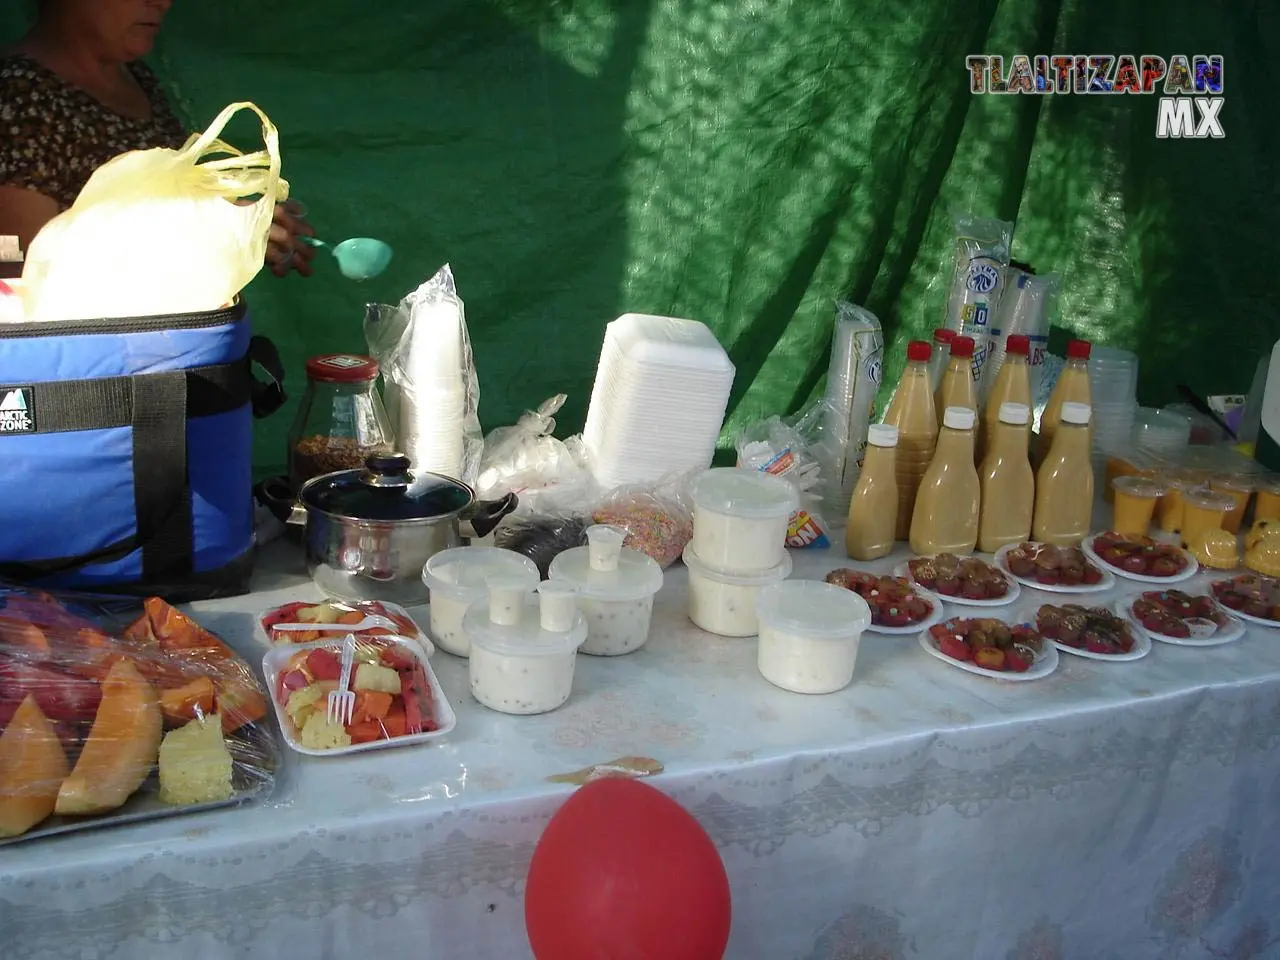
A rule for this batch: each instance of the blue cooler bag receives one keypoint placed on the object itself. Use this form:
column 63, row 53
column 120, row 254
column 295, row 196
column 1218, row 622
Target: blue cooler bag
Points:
column 126, row 452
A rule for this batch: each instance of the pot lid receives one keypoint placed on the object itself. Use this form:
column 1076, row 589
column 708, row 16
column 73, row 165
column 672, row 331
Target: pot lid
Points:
column 386, row 490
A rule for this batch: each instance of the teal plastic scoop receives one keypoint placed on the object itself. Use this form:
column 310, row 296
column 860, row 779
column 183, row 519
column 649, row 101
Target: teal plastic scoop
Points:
column 360, row 258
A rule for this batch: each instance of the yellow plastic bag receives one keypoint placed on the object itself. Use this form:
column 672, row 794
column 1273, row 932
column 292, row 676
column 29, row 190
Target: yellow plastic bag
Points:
column 158, row 232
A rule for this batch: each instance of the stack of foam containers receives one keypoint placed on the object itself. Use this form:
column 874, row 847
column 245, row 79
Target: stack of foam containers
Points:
column 661, row 391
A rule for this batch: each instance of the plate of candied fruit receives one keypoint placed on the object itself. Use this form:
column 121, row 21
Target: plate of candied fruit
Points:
column 1189, row 620
column 962, row 580
column 1251, row 597
column 1095, row 633
column 1140, row 558
column 898, row 606
column 991, row 648
column 1053, row 569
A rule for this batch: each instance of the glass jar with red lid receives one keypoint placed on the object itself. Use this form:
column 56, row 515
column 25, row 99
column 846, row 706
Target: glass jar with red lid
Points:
column 341, row 420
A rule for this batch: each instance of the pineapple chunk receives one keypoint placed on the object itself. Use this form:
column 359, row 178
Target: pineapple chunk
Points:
column 320, row 613
column 373, row 676
column 303, row 702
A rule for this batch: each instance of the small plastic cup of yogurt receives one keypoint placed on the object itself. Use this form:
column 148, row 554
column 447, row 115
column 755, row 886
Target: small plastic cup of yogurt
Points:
column 459, row 577
column 617, row 604
column 557, row 605
column 604, row 546
column 522, row 669
column 809, row 635
column 725, row 603
column 740, row 519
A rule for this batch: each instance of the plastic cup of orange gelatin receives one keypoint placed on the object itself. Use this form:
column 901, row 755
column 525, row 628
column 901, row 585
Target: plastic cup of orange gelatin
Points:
column 1135, row 503
column 1266, row 505
column 1239, row 489
column 1203, row 510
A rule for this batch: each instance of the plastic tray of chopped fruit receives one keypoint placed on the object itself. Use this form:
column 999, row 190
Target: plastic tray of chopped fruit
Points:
column 1251, row 597
column 898, row 606
column 1053, row 569
column 1140, row 558
column 991, row 648
column 1095, row 633
column 307, row 621
column 967, row 581
column 1183, row 619
column 398, row 698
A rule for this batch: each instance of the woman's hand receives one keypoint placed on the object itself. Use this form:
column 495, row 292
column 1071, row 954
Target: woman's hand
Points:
column 285, row 251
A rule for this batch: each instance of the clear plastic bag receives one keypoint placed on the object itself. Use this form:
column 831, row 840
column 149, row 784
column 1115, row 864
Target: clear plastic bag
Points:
column 792, row 450
column 94, row 696
column 432, row 393
column 658, row 520
column 152, row 233
column 978, row 281
column 525, row 458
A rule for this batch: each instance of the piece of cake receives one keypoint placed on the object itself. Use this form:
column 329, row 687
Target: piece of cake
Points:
column 195, row 765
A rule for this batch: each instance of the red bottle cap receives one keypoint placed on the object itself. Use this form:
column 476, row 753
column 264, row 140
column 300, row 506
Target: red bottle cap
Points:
column 1079, row 350
column 341, row 368
column 1017, row 343
column 962, row 347
column 943, row 335
column 918, row 351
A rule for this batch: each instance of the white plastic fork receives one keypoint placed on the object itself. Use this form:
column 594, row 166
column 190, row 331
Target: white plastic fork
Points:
column 368, row 623
column 341, row 705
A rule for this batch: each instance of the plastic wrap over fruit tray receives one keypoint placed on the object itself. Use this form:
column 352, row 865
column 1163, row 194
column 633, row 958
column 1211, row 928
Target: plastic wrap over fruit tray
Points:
column 113, row 714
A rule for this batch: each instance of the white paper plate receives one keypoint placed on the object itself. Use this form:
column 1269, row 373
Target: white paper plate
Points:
column 1045, row 664
column 1229, row 634
column 1192, row 568
column 904, row 570
column 1108, row 579
column 934, row 617
column 277, row 658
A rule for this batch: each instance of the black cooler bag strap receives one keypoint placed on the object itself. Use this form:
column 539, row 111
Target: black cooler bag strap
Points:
column 156, row 406
column 270, row 396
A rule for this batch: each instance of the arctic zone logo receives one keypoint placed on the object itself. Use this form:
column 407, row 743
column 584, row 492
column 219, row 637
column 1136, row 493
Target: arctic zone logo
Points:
column 1199, row 77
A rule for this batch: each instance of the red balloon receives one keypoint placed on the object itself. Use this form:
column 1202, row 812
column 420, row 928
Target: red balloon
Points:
column 623, row 872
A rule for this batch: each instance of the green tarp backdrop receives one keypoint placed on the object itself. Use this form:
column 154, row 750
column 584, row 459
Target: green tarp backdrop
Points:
column 744, row 163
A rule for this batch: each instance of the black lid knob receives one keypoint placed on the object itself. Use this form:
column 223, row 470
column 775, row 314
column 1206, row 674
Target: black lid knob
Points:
column 387, row 470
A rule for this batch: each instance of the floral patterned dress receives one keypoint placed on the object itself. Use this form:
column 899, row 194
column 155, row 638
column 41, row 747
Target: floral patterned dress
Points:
column 53, row 135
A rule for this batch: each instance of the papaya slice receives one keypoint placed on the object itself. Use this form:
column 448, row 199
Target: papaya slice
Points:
column 122, row 746
column 179, row 704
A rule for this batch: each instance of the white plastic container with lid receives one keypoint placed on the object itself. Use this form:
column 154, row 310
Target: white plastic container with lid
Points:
column 524, row 667
column 458, row 578
column 725, row 603
column 809, row 635
column 740, row 519
column 616, row 587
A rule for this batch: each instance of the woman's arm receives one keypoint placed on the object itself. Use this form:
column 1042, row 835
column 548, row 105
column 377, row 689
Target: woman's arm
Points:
column 23, row 212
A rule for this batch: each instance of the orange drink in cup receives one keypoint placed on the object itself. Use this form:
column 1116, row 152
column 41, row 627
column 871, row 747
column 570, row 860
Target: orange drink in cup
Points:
column 1169, row 509
column 1266, row 506
column 1135, row 503
column 1239, row 489
column 1203, row 510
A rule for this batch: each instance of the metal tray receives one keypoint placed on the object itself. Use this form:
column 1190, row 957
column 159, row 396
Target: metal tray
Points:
column 255, row 755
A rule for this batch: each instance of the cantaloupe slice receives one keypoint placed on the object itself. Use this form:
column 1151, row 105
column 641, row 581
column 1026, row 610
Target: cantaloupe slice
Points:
column 32, row 768
column 122, row 747
column 178, row 704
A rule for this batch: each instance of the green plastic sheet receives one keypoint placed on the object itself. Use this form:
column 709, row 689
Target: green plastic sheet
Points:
column 744, row 163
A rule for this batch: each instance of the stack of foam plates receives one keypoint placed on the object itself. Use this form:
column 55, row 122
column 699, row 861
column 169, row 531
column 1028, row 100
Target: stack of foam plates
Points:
column 659, row 400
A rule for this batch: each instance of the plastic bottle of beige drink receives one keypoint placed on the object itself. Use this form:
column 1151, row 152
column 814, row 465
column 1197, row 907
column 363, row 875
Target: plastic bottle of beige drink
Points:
column 957, row 388
column 1072, row 387
column 873, row 511
column 1012, row 385
column 946, row 514
column 942, row 338
column 1064, row 482
column 911, row 411
column 1008, row 483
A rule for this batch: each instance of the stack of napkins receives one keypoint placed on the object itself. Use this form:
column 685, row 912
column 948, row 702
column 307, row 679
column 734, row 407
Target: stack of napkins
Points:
column 659, row 400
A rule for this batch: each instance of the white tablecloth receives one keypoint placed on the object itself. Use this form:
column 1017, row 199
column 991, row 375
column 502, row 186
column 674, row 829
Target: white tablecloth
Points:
column 1124, row 811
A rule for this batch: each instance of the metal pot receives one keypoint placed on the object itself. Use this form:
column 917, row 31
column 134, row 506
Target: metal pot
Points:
column 369, row 532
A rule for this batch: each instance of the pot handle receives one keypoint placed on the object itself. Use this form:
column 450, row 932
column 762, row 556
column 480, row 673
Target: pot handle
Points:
column 275, row 494
column 483, row 516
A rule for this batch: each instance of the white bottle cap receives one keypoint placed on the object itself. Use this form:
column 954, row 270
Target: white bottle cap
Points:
column 1018, row 414
column 1077, row 413
column 958, row 418
column 882, row 435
